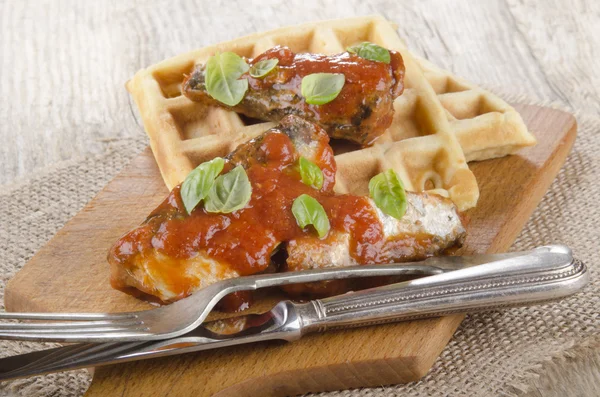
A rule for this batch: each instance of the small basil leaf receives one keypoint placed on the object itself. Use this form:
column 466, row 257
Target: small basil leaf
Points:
column 310, row 173
column 387, row 191
column 262, row 68
column 222, row 78
column 230, row 192
column 322, row 88
column 370, row 51
column 198, row 183
column 308, row 211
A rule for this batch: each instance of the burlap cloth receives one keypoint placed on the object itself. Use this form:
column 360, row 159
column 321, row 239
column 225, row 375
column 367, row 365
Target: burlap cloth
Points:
column 553, row 349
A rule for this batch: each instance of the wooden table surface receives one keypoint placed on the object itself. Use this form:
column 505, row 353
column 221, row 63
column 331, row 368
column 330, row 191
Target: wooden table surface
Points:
column 63, row 66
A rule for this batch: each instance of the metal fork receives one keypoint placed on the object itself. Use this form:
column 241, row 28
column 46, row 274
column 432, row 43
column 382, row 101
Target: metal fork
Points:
column 185, row 315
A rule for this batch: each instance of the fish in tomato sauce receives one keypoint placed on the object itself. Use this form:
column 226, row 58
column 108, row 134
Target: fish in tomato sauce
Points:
column 172, row 253
column 430, row 226
column 362, row 111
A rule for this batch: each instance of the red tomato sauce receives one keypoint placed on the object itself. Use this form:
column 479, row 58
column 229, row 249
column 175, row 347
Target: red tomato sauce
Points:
column 245, row 239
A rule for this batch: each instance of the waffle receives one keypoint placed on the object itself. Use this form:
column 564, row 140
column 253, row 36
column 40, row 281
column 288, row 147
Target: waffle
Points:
column 485, row 125
column 422, row 144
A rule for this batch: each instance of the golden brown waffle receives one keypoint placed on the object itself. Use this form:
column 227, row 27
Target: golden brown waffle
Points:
column 422, row 144
column 485, row 125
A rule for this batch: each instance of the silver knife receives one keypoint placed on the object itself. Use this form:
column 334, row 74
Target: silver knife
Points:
column 545, row 274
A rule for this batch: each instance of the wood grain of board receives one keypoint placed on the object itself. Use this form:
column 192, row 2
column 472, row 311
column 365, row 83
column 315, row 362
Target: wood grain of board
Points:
column 71, row 274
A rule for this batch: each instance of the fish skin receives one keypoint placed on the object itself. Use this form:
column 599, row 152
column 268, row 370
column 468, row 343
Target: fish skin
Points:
column 428, row 214
column 305, row 135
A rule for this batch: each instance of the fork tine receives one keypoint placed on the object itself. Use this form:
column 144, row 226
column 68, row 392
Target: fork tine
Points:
column 72, row 330
column 66, row 316
column 68, row 325
column 89, row 335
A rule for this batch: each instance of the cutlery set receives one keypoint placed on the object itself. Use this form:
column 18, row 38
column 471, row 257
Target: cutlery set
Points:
column 444, row 285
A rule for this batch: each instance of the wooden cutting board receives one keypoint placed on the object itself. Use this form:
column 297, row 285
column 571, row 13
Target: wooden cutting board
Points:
column 71, row 274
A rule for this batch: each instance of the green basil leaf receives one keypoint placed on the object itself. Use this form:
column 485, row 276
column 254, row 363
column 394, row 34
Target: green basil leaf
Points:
column 198, row 183
column 262, row 68
column 223, row 72
column 308, row 211
column 387, row 191
column 370, row 51
column 310, row 173
column 322, row 88
column 230, row 192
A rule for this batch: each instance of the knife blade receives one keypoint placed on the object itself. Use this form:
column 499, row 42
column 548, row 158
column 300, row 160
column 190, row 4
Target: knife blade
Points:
column 278, row 323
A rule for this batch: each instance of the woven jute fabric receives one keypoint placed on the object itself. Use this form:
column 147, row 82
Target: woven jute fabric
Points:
column 547, row 350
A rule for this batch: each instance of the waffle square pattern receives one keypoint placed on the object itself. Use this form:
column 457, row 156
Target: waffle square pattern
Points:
column 440, row 121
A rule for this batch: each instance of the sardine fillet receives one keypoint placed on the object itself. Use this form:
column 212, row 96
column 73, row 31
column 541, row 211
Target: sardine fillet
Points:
column 430, row 226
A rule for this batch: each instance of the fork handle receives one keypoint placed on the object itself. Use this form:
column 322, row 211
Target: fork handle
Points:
column 543, row 274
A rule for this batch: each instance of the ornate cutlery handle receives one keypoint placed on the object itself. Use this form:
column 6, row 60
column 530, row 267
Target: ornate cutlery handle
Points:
column 544, row 274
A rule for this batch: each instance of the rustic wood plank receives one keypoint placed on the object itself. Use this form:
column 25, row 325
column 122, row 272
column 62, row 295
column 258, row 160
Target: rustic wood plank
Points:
column 63, row 64
column 483, row 48
column 563, row 39
column 510, row 187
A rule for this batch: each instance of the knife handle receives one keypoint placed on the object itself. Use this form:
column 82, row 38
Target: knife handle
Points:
column 544, row 274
